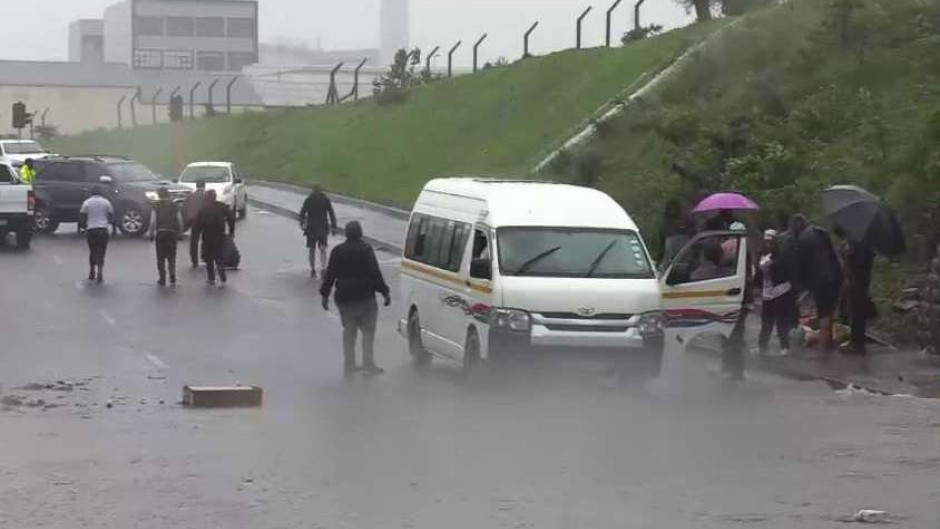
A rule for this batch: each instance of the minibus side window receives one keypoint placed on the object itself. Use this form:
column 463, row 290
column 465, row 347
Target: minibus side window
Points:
column 481, row 250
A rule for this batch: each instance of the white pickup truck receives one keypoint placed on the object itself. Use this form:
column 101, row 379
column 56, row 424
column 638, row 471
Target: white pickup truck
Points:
column 16, row 208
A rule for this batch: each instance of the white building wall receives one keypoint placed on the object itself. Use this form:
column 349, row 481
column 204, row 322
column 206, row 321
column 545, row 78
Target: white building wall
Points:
column 117, row 33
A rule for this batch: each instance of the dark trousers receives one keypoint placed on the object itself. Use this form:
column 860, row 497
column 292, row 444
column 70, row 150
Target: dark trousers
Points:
column 776, row 313
column 97, row 239
column 859, row 314
column 358, row 316
column 212, row 252
column 732, row 357
column 166, row 254
column 194, row 236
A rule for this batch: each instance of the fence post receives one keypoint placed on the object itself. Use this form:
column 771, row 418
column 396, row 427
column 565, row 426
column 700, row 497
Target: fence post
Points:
column 332, row 96
column 153, row 104
column 42, row 117
column 450, row 59
column 192, row 96
column 636, row 14
column 210, row 109
column 427, row 60
column 119, row 116
column 476, row 47
column 525, row 40
column 134, row 110
column 228, row 95
column 609, row 13
column 580, row 19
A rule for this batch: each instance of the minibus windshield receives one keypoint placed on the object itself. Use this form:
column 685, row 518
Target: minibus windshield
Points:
column 572, row 252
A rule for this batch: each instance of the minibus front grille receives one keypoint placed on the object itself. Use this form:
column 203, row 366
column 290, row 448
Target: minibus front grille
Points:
column 576, row 316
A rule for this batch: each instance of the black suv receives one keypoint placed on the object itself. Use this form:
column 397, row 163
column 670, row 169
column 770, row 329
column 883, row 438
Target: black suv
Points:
column 61, row 185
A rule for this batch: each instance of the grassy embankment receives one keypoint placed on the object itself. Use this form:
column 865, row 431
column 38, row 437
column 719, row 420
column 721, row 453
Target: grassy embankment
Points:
column 497, row 122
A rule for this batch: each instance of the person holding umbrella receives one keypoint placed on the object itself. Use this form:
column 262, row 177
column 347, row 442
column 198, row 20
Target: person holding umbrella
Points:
column 868, row 226
column 732, row 358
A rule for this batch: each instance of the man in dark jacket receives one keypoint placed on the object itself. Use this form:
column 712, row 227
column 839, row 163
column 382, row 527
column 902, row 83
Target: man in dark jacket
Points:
column 316, row 219
column 819, row 273
column 194, row 203
column 211, row 222
column 355, row 271
column 858, row 259
column 166, row 227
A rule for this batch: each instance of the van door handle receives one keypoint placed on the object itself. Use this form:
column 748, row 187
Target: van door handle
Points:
column 733, row 292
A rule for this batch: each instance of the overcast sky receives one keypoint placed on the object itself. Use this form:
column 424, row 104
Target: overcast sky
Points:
column 38, row 29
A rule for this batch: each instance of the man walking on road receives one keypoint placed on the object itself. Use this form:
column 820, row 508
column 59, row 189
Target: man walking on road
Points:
column 194, row 203
column 97, row 214
column 211, row 222
column 166, row 226
column 355, row 271
column 316, row 219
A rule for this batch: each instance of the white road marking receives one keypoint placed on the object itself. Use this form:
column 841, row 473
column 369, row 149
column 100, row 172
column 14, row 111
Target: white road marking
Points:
column 107, row 318
column 57, row 260
column 155, row 360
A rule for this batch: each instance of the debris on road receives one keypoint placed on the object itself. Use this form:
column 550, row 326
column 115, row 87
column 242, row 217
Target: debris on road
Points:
column 222, row 396
column 870, row 516
column 11, row 400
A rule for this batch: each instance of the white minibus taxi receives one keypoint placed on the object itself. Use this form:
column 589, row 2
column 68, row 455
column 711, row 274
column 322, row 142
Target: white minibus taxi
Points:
column 499, row 269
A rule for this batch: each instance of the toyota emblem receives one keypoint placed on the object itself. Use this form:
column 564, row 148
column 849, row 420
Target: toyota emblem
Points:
column 587, row 311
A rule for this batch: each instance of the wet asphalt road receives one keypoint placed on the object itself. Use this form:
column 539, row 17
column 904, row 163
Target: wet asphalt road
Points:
column 553, row 448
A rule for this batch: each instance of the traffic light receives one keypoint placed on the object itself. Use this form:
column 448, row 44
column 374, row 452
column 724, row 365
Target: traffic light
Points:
column 19, row 115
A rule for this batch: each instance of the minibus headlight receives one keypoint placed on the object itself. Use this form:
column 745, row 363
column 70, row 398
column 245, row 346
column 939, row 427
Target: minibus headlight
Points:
column 510, row 319
column 651, row 323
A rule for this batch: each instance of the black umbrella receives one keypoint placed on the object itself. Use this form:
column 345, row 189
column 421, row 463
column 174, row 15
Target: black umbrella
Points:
column 864, row 218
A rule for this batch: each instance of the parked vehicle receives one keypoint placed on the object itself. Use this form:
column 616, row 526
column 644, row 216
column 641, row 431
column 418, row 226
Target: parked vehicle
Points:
column 223, row 177
column 15, row 152
column 63, row 183
column 16, row 207
column 495, row 270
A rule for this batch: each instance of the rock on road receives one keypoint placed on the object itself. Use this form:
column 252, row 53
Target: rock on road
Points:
column 546, row 448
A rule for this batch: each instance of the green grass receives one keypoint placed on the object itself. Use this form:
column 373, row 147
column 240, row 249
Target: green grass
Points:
column 497, row 122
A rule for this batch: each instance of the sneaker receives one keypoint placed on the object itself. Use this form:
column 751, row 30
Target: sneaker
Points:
column 210, row 282
column 195, row 265
column 371, row 370
column 784, row 352
column 173, row 281
column 100, row 278
column 161, row 282
column 91, row 276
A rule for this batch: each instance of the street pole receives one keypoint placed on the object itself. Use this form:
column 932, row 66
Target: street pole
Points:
column 525, row 40
column 636, row 15
column 609, row 12
column 332, row 96
column 427, row 60
column 192, row 96
column 476, row 47
column 153, row 104
column 580, row 19
column 450, row 59
column 356, row 79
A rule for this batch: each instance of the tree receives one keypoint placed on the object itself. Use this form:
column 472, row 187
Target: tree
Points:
column 703, row 8
column 393, row 87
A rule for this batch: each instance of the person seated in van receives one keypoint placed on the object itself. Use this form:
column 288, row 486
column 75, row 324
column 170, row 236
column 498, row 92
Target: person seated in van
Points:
column 710, row 266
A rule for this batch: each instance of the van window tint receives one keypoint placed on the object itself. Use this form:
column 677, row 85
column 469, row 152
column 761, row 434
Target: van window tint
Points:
column 436, row 242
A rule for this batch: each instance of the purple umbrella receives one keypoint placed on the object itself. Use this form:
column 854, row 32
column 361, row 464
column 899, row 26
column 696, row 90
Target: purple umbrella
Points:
column 720, row 201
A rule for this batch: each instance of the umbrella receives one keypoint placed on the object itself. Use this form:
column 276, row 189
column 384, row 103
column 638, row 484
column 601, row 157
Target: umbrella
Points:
column 864, row 218
column 729, row 201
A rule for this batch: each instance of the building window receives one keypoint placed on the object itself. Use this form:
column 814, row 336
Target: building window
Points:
column 149, row 26
column 237, row 61
column 180, row 27
column 240, row 27
column 178, row 59
column 210, row 27
column 148, row 59
column 210, row 61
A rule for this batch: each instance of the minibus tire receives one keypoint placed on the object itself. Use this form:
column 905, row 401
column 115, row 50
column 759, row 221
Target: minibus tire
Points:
column 419, row 354
column 471, row 352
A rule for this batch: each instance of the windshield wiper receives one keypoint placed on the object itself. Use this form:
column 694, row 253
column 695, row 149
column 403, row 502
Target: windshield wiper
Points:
column 528, row 264
column 600, row 257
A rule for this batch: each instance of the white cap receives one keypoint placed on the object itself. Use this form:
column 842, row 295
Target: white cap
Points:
column 770, row 235
column 738, row 226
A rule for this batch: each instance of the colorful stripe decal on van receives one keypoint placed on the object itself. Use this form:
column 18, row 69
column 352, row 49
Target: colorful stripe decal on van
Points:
column 442, row 277
column 687, row 318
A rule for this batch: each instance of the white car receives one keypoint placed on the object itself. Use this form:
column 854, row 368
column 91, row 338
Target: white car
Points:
column 15, row 152
column 223, row 178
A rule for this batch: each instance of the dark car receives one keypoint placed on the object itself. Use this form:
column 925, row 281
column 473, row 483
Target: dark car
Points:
column 61, row 185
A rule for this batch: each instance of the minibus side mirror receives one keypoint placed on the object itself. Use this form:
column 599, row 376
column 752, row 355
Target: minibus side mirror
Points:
column 481, row 268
